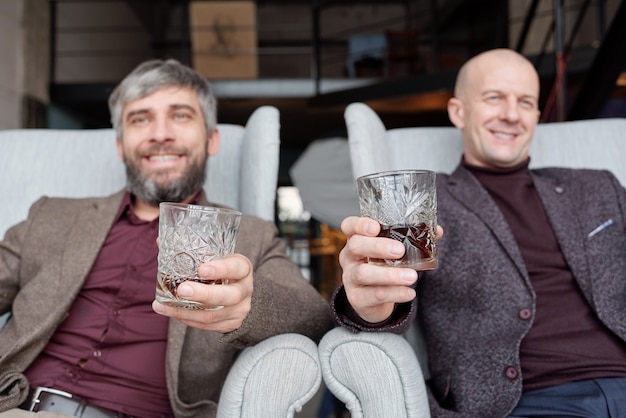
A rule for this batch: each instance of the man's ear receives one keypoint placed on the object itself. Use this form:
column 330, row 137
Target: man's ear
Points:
column 455, row 112
column 213, row 145
column 120, row 150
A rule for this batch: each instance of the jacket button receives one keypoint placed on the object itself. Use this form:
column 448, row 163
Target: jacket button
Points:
column 525, row 314
column 511, row 372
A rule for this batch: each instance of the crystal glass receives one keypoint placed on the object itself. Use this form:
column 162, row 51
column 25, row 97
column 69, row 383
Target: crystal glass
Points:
column 190, row 235
column 404, row 202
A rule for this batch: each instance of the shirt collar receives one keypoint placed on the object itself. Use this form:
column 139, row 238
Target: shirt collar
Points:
column 126, row 207
column 521, row 167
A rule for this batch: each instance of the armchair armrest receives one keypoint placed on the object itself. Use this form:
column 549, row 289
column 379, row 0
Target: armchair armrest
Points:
column 272, row 379
column 376, row 374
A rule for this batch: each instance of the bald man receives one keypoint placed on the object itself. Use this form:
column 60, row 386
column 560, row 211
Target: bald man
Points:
column 522, row 318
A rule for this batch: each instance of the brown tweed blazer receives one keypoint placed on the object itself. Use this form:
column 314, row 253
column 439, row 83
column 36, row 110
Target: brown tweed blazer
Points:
column 45, row 259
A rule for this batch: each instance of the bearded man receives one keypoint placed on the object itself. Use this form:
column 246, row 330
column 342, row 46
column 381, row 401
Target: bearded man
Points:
column 91, row 341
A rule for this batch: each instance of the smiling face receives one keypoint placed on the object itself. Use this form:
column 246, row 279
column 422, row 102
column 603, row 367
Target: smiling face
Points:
column 165, row 145
column 496, row 108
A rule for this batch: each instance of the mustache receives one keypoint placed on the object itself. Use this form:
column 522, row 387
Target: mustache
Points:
column 162, row 149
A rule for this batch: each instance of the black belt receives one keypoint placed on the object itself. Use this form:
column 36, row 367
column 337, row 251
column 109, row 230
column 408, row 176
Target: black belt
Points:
column 60, row 402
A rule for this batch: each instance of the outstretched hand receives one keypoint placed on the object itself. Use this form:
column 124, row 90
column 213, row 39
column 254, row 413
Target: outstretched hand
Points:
column 235, row 297
column 373, row 290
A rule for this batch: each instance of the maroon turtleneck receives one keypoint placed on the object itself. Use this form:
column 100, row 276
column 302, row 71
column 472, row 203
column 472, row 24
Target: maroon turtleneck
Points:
column 567, row 341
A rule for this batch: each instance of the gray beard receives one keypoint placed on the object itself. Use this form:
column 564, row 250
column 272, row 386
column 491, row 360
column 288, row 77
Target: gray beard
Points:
column 146, row 189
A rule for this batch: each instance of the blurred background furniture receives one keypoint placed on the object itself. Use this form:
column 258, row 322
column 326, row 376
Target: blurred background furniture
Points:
column 367, row 55
column 596, row 144
column 326, row 248
column 323, row 177
column 403, row 55
column 391, row 53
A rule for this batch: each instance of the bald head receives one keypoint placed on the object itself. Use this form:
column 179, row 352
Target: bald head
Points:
column 483, row 64
column 495, row 105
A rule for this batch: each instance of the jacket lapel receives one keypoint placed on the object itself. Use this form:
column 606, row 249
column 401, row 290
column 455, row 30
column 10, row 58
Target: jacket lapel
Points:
column 465, row 188
column 86, row 239
column 566, row 223
column 92, row 222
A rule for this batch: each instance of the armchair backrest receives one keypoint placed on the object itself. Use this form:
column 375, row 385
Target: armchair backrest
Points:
column 82, row 163
column 596, row 143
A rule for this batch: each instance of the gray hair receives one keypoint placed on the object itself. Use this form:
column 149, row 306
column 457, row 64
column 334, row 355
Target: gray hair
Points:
column 154, row 75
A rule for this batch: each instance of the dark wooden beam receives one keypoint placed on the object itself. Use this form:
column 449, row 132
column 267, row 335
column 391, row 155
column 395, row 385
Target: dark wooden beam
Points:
column 388, row 88
column 608, row 63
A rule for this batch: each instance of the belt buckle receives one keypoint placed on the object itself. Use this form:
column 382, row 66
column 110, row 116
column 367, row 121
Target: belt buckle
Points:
column 42, row 389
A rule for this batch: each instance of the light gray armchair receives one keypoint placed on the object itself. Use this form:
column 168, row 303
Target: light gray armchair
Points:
column 357, row 367
column 274, row 378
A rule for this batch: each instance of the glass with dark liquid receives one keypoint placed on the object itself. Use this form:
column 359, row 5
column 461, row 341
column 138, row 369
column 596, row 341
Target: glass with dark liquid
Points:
column 419, row 243
column 404, row 203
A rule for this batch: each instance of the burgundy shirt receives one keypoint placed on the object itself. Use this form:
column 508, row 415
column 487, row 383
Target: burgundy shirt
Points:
column 567, row 341
column 111, row 348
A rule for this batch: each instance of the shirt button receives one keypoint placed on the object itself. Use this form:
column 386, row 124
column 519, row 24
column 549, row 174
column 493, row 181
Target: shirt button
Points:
column 511, row 372
column 116, row 312
column 97, row 353
column 525, row 314
column 558, row 189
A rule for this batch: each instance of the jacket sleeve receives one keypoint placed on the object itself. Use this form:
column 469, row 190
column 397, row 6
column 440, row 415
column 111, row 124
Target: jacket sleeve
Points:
column 10, row 259
column 283, row 301
column 343, row 315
